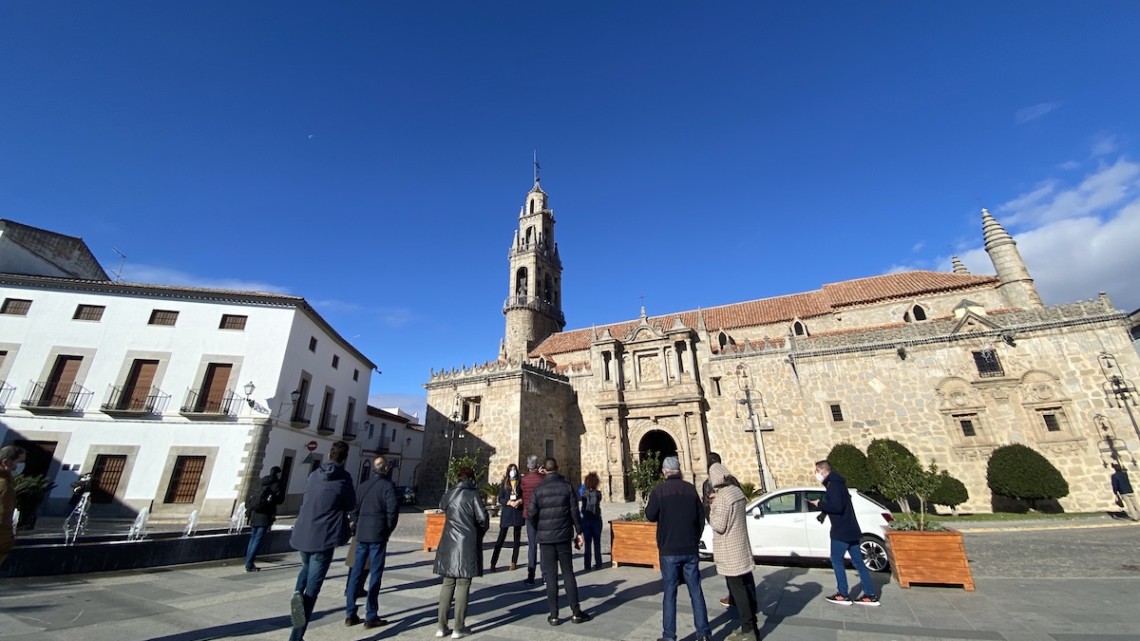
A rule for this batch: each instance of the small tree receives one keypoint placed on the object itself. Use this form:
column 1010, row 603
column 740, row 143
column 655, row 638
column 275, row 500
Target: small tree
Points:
column 951, row 492
column 895, row 470
column 851, row 463
column 466, row 459
column 1019, row 472
column 750, row 491
column 645, row 475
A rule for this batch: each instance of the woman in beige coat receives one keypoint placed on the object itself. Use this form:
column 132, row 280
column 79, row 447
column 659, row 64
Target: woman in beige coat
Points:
column 732, row 550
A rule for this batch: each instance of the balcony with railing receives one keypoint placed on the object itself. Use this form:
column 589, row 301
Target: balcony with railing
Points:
column 535, row 303
column 199, row 404
column 385, row 444
column 350, row 428
column 48, row 396
column 302, row 415
column 6, row 392
column 124, row 401
column 327, row 423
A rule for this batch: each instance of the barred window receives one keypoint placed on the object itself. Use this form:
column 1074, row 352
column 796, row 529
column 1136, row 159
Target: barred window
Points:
column 163, row 317
column 88, row 312
column 232, row 321
column 836, row 413
column 15, row 307
column 966, row 423
column 185, row 478
column 988, row 364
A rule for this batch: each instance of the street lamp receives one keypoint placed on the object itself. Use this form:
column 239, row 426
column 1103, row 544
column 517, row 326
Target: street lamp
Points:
column 455, row 429
column 249, row 389
column 1109, row 436
column 744, row 382
column 1120, row 388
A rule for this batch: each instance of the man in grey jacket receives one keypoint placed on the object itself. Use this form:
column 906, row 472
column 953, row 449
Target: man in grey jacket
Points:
column 322, row 525
column 375, row 516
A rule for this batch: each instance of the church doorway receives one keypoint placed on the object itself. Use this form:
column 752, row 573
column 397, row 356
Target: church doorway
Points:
column 656, row 441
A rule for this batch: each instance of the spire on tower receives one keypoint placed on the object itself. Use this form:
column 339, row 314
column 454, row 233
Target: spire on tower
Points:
column 992, row 232
column 959, row 267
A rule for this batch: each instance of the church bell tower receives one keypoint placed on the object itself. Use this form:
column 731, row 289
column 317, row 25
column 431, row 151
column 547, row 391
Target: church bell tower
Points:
column 534, row 301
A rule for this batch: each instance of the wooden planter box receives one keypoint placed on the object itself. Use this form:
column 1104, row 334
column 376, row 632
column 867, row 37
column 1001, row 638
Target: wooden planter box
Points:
column 634, row 543
column 929, row 557
column 433, row 530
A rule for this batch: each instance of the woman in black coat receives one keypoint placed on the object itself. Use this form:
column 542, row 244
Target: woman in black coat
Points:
column 459, row 557
column 510, row 517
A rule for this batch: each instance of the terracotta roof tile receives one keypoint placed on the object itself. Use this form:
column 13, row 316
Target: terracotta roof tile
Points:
column 765, row 311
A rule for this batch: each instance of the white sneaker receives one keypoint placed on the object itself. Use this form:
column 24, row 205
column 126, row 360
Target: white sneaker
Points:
column 440, row 633
column 458, row 634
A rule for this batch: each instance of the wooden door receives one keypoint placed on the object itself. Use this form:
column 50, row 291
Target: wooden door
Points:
column 185, row 478
column 137, row 390
column 214, row 387
column 59, row 383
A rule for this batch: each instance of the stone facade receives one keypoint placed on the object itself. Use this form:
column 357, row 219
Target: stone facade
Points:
column 952, row 365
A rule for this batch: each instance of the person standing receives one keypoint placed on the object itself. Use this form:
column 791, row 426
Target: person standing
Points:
column 845, row 535
column 706, row 491
column 322, row 525
column 530, row 480
column 11, row 466
column 459, row 557
column 591, row 506
column 1122, row 488
column 675, row 507
column 262, row 513
column 553, row 510
column 510, row 516
column 376, row 514
column 733, row 549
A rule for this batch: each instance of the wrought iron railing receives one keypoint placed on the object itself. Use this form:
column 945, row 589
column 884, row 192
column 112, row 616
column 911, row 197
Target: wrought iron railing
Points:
column 302, row 414
column 198, row 403
column 6, row 392
column 47, row 395
column 350, row 428
column 125, row 400
column 327, row 423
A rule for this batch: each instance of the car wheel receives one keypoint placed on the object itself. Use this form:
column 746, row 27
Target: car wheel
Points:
column 874, row 554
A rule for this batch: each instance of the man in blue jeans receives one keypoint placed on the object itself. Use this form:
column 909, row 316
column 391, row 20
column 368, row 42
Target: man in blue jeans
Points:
column 845, row 535
column 675, row 507
column 376, row 514
column 321, row 526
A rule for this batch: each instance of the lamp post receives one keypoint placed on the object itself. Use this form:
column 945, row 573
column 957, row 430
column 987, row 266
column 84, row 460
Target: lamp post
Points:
column 249, row 389
column 455, row 429
column 1120, row 388
column 744, row 382
column 1109, row 437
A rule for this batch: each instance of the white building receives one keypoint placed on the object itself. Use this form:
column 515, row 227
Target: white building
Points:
column 177, row 398
column 400, row 437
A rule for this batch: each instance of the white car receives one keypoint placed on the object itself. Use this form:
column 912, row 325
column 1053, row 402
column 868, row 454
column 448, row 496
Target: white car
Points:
column 783, row 524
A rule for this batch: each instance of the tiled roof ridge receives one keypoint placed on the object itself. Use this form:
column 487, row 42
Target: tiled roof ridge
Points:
column 774, row 309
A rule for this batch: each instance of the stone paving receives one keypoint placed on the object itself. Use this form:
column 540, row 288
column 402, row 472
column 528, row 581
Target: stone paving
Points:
column 1030, row 586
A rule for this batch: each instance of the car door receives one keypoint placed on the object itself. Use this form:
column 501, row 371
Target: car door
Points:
column 776, row 526
column 818, row 534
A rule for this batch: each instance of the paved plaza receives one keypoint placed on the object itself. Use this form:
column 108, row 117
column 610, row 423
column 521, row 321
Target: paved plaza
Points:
column 1071, row 582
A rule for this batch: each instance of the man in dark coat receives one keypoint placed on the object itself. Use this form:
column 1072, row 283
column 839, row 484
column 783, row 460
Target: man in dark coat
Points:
column 1122, row 488
column 845, row 535
column 376, row 514
column 322, row 525
column 263, row 504
column 676, row 509
column 459, row 557
column 553, row 511
column 529, row 481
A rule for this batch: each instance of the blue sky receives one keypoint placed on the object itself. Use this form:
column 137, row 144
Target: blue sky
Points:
column 372, row 156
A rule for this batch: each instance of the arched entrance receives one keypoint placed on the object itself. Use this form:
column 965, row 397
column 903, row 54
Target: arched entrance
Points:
column 657, row 441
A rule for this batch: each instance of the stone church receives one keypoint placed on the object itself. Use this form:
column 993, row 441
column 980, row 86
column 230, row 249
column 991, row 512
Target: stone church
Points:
column 952, row 365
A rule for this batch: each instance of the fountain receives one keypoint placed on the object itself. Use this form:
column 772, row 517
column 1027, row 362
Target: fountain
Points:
column 138, row 529
column 237, row 521
column 191, row 524
column 76, row 522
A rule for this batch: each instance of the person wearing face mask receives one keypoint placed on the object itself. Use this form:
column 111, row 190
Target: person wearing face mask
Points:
column 510, row 516
column 11, row 466
column 845, row 535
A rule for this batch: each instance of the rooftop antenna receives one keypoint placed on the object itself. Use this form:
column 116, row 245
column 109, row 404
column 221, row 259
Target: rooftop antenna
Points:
column 122, row 261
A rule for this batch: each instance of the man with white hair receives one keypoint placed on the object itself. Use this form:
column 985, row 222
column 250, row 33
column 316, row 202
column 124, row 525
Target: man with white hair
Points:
column 675, row 507
column 529, row 481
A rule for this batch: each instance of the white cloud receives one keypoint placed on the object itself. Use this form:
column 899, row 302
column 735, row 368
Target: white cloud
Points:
column 137, row 273
column 1028, row 114
column 1069, row 165
column 917, row 247
column 1104, row 144
column 1107, row 187
column 396, row 316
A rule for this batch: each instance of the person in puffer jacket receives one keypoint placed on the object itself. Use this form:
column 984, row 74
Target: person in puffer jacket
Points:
column 733, row 549
column 459, row 557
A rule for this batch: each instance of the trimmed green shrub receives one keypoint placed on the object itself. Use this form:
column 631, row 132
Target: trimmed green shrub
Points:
column 951, row 492
column 851, row 464
column 1019, row 472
